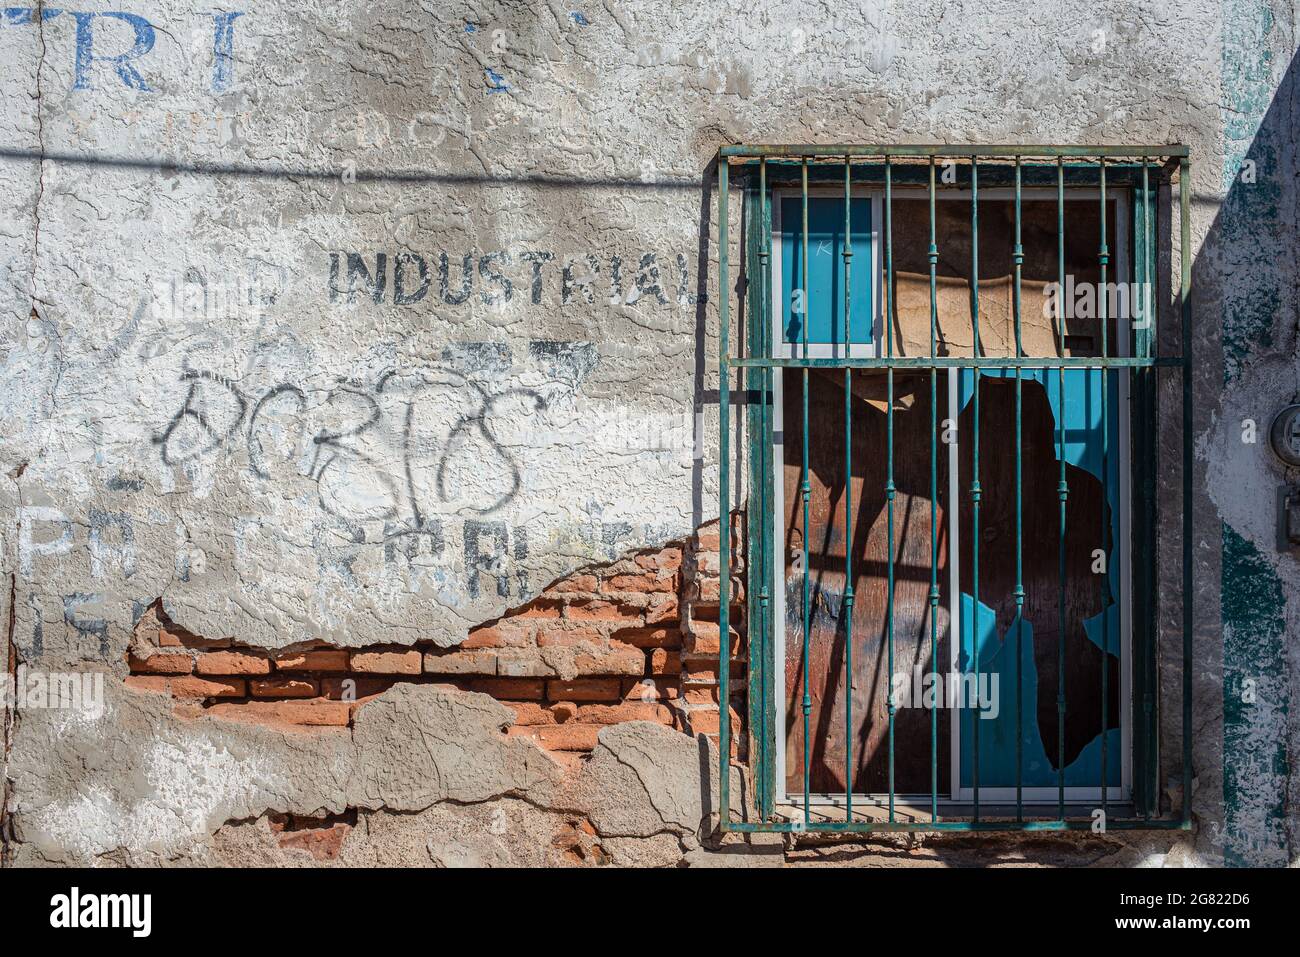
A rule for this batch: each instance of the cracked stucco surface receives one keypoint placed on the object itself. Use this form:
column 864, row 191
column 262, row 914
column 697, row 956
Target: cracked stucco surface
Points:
column 351, row 128
column 164, row 786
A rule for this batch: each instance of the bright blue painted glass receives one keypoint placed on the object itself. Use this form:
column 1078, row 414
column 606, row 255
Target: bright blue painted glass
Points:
column 825, row 305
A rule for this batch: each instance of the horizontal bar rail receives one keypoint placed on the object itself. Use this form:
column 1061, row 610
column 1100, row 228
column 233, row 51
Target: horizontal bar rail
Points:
column 879, row 827
column 957, row 362
column 954, row 150
column 1097, row 168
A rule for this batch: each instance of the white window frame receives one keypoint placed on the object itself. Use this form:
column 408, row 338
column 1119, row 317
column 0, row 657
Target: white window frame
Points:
column 827, row 350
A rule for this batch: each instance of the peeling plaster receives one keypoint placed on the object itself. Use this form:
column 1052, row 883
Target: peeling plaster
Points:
column 166, row 257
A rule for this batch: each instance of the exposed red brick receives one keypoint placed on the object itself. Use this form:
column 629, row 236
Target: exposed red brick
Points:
column 642, row 583
column 481, row 662
column 649, row 637
column 701, row 694
column 578, row 583
column 616, row 613
column 709, row 564
column 707, row 538
column 576, row 842
column 460, row 663
column 335, row 688
column 665, row 662
column 312, row 712
column 564, row 711
column 531, row 713
column 560, row 737
column 232, row 663
column 708, row 721
column 710, row 589
column 174, row 636
column 524, row 663
column 541, row 608
column 283, row 688
column 508, row 633
column 627, row 647
column 626, row 711
column 156, row 684
column 662, row 609
column 705, row 670
column 615, row 660
column 667, row 560
column 506, row 689
column 324, row 844
column 406, row 661
column 585, row 689
column 190, row 686
column 650, row 689
column 166, row 663
column 568, row 633
column 704, row 638
column 321, row 659
column 710, row 612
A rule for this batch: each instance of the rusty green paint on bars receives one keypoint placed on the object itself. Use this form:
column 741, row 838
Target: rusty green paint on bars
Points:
column 760, row 365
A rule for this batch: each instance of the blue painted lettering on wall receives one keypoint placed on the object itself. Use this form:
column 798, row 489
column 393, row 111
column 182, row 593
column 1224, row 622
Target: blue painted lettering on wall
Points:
column 122, row 66
column 125, row 63
column 223, row 50
column 28, row 14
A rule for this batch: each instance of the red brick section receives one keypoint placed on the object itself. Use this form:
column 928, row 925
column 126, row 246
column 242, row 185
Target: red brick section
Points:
column 701, row 646
column 637, row 640
column 322, row 837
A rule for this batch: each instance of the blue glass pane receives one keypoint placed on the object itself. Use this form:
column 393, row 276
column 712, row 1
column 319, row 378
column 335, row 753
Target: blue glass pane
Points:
column 1081, row 420
column 825, row 288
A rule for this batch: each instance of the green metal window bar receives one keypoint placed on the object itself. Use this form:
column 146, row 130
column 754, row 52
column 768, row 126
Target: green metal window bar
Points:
column 1147, row 172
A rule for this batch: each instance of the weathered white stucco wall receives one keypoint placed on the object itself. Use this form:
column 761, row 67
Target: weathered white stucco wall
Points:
column 205, row 400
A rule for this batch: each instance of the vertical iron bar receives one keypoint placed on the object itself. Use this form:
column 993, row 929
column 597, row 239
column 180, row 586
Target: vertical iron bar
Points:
column 1018, row 259
column 848, row 498
column 724, row 503
column 1103, row 296
column 933, row 256
column 1144, row 345
column 1062, row 488
column 889, row 440
column 805, row 490
column 765, row 447
column 975, row 492
column 1185, row 264
column 1148, row 445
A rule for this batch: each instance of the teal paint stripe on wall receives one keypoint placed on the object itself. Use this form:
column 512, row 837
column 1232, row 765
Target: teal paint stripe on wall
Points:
column 1254, row 708
column 1255, row 689
column 1249, row 223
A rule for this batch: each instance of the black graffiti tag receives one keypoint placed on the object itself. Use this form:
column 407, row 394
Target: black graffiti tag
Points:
column 444, row 426
column 193, row 428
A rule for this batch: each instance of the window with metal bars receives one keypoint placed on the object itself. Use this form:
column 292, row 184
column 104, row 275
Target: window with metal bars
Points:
column 949, row 360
